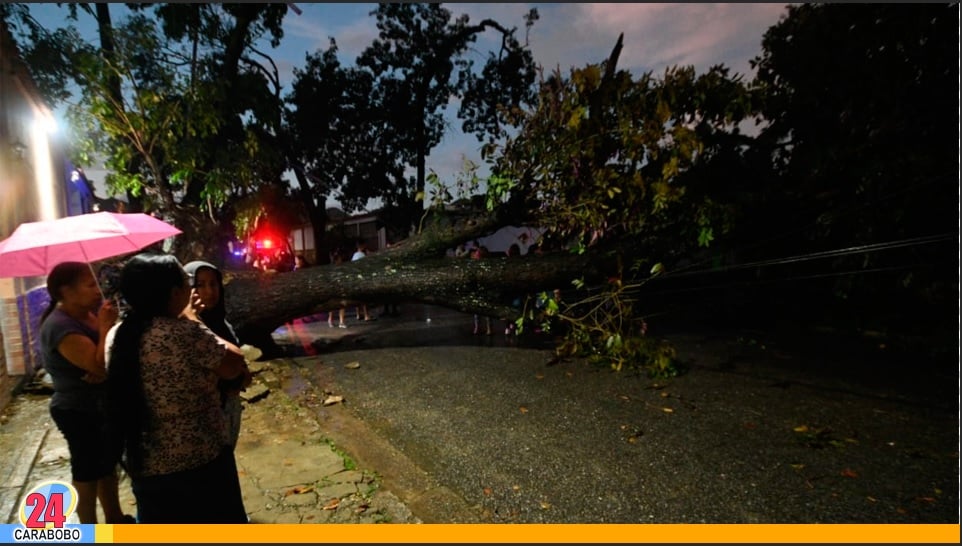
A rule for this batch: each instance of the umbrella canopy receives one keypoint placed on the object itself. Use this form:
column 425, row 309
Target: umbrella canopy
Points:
column 34, row 248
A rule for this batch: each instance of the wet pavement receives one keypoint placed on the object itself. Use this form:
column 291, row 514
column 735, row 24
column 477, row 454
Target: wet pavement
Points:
column 406, row 419
column 760, row 430
column 290, row 472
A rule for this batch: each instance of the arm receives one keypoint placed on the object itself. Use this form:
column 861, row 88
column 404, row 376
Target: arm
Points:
column 233, row 363
column 84, row 353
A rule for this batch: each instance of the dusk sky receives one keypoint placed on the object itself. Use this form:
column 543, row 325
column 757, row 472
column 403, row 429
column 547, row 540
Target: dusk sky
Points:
column 566, row 35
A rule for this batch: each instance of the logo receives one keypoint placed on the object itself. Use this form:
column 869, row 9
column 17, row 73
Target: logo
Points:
column 44, row 513
column 48, row 505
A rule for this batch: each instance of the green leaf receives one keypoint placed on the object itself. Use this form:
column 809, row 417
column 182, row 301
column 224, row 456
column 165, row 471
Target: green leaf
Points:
column 705, row 236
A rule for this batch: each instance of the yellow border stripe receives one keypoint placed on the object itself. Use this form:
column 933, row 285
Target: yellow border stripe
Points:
column 104, row 533
column 514, row 533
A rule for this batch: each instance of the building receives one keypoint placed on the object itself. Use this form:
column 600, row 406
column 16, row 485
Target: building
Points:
column 33, row 187
column 342, row 231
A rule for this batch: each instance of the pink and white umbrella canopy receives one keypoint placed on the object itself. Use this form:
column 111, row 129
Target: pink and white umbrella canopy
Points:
column 34, row 248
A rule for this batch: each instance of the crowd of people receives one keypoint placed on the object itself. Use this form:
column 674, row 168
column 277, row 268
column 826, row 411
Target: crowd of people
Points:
column 155, row 389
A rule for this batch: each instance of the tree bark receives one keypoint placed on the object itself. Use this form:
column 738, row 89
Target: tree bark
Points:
column 106, row 30
column 258, row 303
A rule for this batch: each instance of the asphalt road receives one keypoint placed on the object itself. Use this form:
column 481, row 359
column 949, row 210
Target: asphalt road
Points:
column 756, row 432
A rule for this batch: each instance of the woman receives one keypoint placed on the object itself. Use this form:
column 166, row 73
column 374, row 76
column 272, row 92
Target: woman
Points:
column 72, row 336
column 208, row 302
column 164, row 365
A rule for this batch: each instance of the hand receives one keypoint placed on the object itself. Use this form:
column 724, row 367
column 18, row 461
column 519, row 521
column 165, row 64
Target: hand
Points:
column 107, row 315
column 196, row 303
column 194, row 307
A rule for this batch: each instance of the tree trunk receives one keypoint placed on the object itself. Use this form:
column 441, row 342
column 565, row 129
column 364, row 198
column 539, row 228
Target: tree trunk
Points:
column 204, row 240
column 316, row 213
column 258, row 303
column 106, row 30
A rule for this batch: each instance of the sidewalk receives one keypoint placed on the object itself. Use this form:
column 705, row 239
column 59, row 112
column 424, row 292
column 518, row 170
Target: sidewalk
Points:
column 289, row 472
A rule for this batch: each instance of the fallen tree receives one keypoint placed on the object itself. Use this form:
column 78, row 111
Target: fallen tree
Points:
column 619, row 201
column 415, row 270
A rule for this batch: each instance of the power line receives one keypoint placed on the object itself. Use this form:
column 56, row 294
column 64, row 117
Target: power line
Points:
column 842, row 212
column 862, row 249
column 788, row 279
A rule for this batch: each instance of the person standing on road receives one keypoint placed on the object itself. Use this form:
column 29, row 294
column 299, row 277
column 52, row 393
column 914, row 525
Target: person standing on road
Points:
column 73, row 331
column 163, row 369
column 337, row 259
column 478, row 253
column 207, row 299
column 358, row 254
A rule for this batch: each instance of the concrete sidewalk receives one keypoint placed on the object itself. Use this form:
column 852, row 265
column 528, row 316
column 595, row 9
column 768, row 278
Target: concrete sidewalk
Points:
column 289, row 472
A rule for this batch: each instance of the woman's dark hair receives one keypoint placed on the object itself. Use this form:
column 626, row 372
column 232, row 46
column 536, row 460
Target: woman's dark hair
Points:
column 62, row 275
column 147, row 282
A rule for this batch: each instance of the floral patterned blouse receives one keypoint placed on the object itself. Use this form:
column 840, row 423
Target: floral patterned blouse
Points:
column 187, row 427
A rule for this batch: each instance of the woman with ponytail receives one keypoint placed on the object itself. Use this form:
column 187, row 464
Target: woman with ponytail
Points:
column 72, row 336
column 163, row 368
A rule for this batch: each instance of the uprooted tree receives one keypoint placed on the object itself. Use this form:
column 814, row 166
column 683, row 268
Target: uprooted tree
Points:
column 624, row 173
column 627, row 174
column 603, row 164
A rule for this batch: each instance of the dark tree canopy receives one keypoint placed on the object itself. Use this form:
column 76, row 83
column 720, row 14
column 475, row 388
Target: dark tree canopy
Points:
column 861, row 102
column 642, row 181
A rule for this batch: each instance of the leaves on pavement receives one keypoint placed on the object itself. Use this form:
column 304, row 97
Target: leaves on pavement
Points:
column 299, row 490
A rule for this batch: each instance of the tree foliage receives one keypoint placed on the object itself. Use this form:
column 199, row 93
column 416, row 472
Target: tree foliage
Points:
column 184, row 112
column 607, row 155
column 607, row 159
column 419, row 62
column 855, row 148
column 862, row 110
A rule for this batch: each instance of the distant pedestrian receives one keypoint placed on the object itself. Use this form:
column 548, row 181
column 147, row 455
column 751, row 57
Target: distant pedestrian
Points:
column 478, row 253
column 359, row 253
column 513, row 251
column 337, row 259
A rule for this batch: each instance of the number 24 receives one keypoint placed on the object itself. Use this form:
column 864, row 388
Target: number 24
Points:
column 45, row 511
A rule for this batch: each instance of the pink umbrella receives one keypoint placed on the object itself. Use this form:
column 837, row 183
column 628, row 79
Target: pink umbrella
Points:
column 35, row 247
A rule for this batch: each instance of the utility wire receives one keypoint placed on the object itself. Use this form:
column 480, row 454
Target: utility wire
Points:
column 849, row 211
column 787, row 279
column 862, row 249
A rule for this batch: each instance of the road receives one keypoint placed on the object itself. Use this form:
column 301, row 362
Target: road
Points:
column 477, row 428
